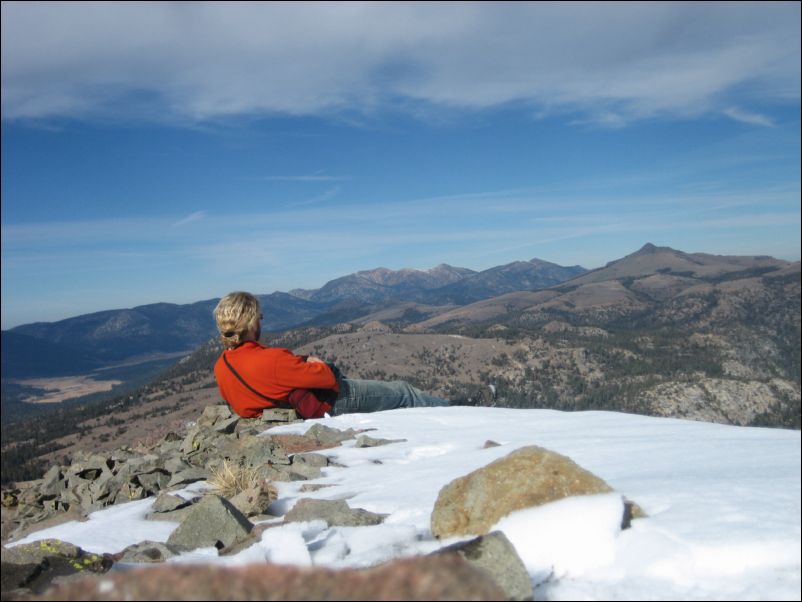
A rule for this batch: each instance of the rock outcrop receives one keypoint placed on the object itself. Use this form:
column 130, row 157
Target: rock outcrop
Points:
column 484, row 568
column 93, row 481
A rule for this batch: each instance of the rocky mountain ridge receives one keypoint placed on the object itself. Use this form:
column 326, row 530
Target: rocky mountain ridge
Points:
column 382, row 283
column 102, row 339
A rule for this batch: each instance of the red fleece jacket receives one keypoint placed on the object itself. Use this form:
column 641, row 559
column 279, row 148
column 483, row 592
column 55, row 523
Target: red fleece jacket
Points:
column 272, row 371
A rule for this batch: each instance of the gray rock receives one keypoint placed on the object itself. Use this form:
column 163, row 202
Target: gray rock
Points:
column 146, row 463
column 53, row 483
column 175, row 464
column 90, row 466
column 166, row 502
column 259, row 451
column 307, row 466
column 255, row 500
column 327, row 436
column 250, row 426
column 189, row 475
column 214, row 414
column 335, row 512
column 192, row 440
column 214, row 521
column 149, row 551
column 80, row 494
column 121, row 455
column 226, row 426
column 311, row 459
column 128, row 492
column 310, row 487
column 278, row 472
column 154, row 481
column 279, row 415
column 365, row 441
column 102, row 487
column 495, row 554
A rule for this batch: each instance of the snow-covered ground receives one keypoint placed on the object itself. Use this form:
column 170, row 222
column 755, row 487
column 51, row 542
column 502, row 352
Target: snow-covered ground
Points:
column 723, row 504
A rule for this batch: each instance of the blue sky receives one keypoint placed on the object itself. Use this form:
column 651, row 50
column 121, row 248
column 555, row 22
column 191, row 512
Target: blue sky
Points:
column 176, row 151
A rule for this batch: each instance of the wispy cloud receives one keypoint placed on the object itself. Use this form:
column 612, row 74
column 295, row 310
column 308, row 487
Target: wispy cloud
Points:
column 514, row 219
column 303, row 178
column 194, row 217
column 328, row 195
column 610, row 63
column 748, row 117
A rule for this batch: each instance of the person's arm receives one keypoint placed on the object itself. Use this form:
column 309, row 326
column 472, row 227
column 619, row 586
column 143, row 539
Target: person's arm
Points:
column 299, row 373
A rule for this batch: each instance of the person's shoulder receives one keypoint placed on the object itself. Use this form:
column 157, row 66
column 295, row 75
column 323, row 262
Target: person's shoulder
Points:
column 253, row 348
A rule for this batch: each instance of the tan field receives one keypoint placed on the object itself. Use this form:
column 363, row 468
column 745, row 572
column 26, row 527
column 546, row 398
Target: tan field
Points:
column 67, row 387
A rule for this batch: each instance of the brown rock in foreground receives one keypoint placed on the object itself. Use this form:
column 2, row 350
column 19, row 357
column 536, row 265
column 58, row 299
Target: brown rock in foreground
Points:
column 530, row 476
column 447, row 577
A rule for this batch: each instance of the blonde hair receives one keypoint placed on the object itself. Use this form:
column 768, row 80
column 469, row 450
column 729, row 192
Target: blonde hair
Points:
column 235, row 315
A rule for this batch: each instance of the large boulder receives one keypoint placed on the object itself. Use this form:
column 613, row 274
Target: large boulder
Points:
column 530, row 476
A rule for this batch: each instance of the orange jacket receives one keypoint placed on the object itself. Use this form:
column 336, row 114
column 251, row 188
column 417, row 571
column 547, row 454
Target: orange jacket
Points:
column 272, row 371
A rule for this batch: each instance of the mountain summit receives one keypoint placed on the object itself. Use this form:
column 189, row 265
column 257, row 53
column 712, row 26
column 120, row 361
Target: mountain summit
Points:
column 651, row 259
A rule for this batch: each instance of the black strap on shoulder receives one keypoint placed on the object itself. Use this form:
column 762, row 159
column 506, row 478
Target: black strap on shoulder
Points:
column 250, row 388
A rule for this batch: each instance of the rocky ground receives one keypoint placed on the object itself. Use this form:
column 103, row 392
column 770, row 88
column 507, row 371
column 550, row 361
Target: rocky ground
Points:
column 227, row 517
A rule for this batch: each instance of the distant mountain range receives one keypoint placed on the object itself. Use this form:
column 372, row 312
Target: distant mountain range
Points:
column 652, row 282
column 659, row 332
column 98, row 340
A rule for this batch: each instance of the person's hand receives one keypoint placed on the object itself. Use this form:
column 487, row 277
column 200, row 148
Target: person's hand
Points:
column 315, row 360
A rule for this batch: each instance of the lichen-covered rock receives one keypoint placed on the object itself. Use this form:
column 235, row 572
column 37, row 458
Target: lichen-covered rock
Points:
column 33, row 567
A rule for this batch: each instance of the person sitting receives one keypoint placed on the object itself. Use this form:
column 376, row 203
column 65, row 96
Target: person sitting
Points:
column 253, row 377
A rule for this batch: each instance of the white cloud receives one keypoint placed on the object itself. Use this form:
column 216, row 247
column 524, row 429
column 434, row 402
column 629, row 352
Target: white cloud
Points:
column 609, row 62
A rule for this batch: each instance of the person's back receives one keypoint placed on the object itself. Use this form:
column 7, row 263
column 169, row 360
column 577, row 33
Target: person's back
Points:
column 251, row 374
column 252, row 377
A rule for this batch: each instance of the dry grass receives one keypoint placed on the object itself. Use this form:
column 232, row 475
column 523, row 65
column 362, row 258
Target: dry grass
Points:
column 230, row 479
